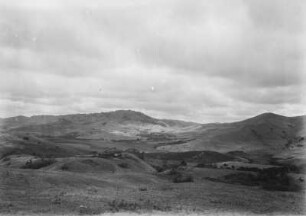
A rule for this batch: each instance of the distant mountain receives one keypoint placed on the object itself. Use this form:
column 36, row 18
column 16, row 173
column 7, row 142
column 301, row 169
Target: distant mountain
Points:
column 264, row 118
column 19, row 121
column 268, row 133
column 260, row 138
column 119, row 116
column 118, row 124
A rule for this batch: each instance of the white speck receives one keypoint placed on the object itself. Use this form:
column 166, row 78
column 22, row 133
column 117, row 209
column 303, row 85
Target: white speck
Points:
column 152, row 88
column 34, row 39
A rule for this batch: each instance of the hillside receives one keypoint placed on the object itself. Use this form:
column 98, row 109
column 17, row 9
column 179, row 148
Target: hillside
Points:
column 121, row 124
column 269, row 131
column 264, row 136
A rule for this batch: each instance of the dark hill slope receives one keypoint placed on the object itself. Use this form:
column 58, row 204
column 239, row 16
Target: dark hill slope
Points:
column 268, row 132
column 191, row 156
column 20, row 121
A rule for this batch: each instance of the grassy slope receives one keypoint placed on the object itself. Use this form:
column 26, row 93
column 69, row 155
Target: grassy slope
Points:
column 262, row 136
column 99, row 183
column 63, row 192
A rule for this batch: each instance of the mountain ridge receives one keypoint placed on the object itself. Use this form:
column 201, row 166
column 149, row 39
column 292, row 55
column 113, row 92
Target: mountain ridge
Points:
column 264, row 134
column 125, row 112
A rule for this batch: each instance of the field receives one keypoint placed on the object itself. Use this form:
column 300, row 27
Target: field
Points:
column 70, row 192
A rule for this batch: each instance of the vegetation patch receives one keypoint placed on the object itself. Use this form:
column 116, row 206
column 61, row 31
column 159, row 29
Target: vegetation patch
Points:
column 44, row 150
column 10, row 151
column 6, row 159
column 274, row 179
column 251, row 169
column 242, row 178
column 277, row 179
column 147, row 205
column 90, row 162
column 65, row 167
column 37, row 164
column 124, row 165
column 181, row 178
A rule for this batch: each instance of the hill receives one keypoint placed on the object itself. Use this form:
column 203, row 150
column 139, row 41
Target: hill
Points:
column 121, row 124
column 269, row 131
column 263, row 137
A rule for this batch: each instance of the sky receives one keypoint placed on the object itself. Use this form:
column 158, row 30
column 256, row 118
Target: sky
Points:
column 203, row 61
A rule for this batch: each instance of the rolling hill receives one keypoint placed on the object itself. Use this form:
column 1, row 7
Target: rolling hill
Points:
column 262, row 136
column 121, row 124
column 269, row 132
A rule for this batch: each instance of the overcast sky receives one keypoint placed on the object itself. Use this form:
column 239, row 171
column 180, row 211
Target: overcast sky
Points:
column 204, row 61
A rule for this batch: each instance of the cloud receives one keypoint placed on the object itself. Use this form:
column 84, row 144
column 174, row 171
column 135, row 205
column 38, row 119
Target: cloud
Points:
column 197, row 60
column 277, row 15
column 275, row 96
column 226, row 43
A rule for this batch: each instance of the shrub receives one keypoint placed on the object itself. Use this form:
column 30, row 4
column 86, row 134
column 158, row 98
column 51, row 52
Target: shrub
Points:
column 277, row 179
column 65, row 167
column 278, row 174
column 6, row 159
column 252, row 169
column 90, row 162
column 173, row 172
column 203, row 165
column 242, row 178
column 274, row 179
column 166, row 188
column 119, row 205
column 10, row 151
column 37, row 164
column 180, row 178
column 200, row 165
column 295, row 169
column 122, row 205
column 164, row 167
column 142, row 156
column 157, row 168
column 124, row 165
column 183, row 163
column 56, row 201
column 143, row 189
column 136, row 152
